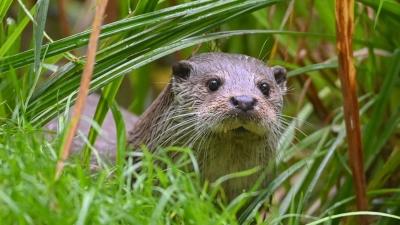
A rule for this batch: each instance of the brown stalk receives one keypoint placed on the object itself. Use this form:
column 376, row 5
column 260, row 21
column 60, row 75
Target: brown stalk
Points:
column 84, row 87
column 63, row 18
column 344, row 43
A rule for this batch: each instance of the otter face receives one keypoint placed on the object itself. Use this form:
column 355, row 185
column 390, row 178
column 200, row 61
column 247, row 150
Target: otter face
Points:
column 226, row 108
column 230, row 94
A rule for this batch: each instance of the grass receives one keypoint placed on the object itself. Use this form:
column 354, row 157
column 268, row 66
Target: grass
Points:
column 312, row 180
column 30, row 195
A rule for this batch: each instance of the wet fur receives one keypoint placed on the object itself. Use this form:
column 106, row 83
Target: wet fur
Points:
column 187, row 114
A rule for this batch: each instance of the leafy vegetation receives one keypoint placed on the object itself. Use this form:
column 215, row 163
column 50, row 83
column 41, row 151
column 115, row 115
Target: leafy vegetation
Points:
column 312, row 181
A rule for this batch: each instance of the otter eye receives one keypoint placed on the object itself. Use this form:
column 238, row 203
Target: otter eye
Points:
column 264, row 88
column 213, row 85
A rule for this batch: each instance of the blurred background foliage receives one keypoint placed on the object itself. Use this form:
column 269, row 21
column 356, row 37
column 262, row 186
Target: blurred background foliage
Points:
column 302, row 39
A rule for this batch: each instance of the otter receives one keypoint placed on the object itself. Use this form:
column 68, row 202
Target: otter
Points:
column 226, row 108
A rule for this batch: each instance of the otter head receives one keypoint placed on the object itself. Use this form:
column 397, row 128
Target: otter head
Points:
column 226, row 108
column 230, row 94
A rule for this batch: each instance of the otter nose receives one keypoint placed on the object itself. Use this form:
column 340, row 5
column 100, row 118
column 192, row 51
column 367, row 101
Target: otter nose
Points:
column 244, row 103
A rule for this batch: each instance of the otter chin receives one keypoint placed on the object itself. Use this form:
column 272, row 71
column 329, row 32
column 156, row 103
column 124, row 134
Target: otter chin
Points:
column 226, row 108
column 236, row 127
column 240, row 130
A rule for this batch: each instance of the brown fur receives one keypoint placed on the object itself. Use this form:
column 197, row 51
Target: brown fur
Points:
column 224, row 138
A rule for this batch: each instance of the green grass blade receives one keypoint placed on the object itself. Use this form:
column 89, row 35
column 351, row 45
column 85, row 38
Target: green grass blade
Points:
column 329, row 218
column 391, row 8
column 4, row 5
column 38, row 32
column 306, row 69
column 379, row 109
column 145, row 6
column 48, row 98
column 110, row 90
column 387, row 170
column 105, row 102
column 267, row 192
column 119, row 63
column 10, row 40
column 388, row 129
column 82, row 39
column 121, row 137
column 307, row 180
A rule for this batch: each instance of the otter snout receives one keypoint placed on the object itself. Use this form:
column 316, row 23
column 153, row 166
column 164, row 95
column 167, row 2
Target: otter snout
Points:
column 244, row 103
column 226, row 108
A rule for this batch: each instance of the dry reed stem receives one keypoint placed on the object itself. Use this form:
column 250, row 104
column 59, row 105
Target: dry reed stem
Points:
column 85, row 84
column 63, row 19
column 344, row 34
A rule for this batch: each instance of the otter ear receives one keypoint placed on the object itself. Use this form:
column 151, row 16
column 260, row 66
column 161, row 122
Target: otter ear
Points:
column 280, row 76
column 181, row 69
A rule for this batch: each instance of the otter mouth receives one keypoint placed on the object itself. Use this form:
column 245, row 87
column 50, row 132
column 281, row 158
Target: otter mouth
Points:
column 237, row 128
column 240, row 130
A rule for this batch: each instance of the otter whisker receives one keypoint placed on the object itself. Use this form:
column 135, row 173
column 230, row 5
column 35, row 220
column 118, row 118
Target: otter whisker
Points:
column 187, row 125
column 297, row 119
column 175, row 117
column 226, row 108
